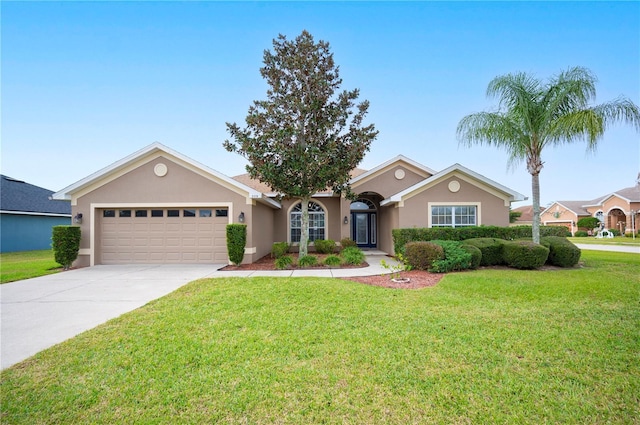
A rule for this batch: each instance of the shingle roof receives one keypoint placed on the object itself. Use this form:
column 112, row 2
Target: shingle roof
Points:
column 527, row 212
column 16, row 195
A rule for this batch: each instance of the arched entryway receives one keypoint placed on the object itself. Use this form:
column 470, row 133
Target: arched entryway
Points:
column 617, row 220
column 364, row 223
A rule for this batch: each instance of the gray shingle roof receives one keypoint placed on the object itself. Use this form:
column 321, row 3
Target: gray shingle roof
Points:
column 16, row 195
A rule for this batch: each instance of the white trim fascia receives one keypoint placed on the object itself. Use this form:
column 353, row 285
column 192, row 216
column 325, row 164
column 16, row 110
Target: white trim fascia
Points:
column 400, row 196
column 386, row 164
column 611, row 195
column 65, row 194
column 34, row 213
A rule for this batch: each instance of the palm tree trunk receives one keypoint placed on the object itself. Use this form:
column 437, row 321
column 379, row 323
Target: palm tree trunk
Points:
column 535, row 190
column 304, row 228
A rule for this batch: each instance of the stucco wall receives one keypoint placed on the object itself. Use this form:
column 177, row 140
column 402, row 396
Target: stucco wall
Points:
column 142, row 186
column 386, row 183
column 492, row 210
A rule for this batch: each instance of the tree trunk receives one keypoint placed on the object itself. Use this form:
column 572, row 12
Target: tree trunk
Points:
column 535, row 193
column 304, row 228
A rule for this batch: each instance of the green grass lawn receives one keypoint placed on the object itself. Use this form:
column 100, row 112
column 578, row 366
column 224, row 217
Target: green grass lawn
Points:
column 618, row 240
column 24, row 265
column 483, row 347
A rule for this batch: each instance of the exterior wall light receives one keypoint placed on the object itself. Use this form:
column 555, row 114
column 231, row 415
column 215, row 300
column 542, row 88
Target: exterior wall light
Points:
column 241, row 217
column 346, row 220
column 77, row 219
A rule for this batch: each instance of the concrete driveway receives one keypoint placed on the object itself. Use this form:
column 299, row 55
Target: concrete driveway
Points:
column 41, row 312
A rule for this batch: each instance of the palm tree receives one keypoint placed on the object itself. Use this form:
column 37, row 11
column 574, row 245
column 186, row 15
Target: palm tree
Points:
column 533, row 115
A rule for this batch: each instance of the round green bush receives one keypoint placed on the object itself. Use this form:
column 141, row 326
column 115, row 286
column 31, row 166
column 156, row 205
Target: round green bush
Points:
column 492, row 250
column 279, row 249
column 284, row 262
column 455, row 258
column 333, row 261
column 353, row 255
column 307, row 261
column 476, row 255
column 525, row 255
column 581, row 234
column 420, row 255
column 347, row 242
column 324, row 246
column 562, row 252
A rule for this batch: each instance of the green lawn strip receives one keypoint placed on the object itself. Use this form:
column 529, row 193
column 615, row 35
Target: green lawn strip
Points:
column 490, row 346
column 26, row 264
column 618, row 240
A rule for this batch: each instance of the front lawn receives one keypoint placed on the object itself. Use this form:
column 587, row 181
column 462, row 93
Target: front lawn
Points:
column 488, row 346
column 27, row 264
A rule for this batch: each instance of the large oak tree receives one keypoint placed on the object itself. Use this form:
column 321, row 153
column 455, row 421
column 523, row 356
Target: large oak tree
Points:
column 533, row 115
column 306, row 136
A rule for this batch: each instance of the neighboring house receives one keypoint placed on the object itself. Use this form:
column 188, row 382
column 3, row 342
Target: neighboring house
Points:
column 618, row 210
column 27, row 215
column 526, row 215
column 159, row 206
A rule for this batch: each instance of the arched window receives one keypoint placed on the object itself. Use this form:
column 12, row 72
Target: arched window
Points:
column 600, row 216
column 362, row 204
column 316, row 222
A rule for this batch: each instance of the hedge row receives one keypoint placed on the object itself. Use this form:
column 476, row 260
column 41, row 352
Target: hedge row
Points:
column 401, row 237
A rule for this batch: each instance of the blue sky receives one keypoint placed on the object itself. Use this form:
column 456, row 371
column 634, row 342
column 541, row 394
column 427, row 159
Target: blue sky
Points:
column 87, row 83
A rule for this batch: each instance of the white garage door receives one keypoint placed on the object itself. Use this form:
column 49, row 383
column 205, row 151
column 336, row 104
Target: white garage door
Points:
column 162, row 235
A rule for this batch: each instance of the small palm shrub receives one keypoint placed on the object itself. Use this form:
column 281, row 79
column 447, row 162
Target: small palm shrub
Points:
column 562, row 253
column 353, row 255
column 347, row 242
column 525, row 255
column 476, row 255
column 333, row 261
column 491, row 249
column 284, row 262
column 323, row 246
column 420, row 255
column 279, row 249
column 455, row 258
column 307, row 261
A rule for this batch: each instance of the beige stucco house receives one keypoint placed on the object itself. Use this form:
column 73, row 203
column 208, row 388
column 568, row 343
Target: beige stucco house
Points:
column 159, row 206
column 618, row 210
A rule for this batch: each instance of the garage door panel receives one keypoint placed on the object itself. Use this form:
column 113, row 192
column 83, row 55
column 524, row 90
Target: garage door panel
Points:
column 162, row 239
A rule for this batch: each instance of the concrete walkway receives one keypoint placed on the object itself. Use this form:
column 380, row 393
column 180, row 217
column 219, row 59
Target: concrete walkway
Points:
column 41, row 312
column 635, row 249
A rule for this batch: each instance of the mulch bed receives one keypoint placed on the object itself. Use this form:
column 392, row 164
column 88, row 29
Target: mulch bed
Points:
column 417, row 279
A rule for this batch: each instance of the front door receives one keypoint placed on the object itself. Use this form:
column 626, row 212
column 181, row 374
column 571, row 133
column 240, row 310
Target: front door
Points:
column 364, row 229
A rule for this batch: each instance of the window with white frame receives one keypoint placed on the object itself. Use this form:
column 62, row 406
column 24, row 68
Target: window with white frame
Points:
column 454, row 215
column 316, row 222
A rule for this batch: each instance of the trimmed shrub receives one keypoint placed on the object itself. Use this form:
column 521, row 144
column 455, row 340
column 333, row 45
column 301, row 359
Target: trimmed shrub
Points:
column 562, row 253
column 401, row 237
column 236, row 241
column 615, row 232
column 581, row 234
column 347, row 242
column 476, row 255
column 332, row 261
column 284, row 262
column 307, row 261
column 353, row 255
column 525, row 255
column 323, row 246
column 420, row 255
column 65, row 244
column 492, row 250
column 279, row 249
column 588, row 223
column 455, row 258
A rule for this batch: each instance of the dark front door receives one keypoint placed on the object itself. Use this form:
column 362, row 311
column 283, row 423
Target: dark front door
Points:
column 364, row 229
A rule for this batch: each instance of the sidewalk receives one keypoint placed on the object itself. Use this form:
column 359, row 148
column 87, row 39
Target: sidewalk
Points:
column 635, row 249
column 373, row 258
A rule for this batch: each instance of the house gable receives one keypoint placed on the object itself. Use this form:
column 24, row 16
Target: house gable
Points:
column 391, row 177
column 459, row 172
